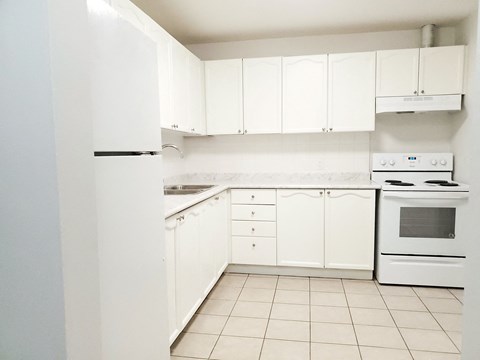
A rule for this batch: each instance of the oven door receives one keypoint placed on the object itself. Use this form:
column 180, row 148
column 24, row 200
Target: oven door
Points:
column 422, row 223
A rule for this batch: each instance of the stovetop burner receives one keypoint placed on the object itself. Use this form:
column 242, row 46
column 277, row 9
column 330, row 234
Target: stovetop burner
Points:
column 401, row 183
column 436, row 182
column 448, row 184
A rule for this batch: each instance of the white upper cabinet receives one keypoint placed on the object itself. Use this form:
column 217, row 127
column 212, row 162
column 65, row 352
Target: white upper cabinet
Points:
column 397, row 72
column 351, row 92
column 164, row 58
column 180, row 90
column 305, row 89
column 224, row 100
column 441, row 70
column 300, row 228
column 262, row 95
column 349, row 229
column 196, row 98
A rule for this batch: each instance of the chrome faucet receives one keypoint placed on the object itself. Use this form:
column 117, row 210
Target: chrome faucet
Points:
column 173, row 147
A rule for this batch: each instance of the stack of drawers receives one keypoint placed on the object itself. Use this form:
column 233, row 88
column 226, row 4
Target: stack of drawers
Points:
column 254, row 226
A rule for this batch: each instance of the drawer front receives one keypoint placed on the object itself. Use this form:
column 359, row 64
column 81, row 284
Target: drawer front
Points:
column 254, row 228
column 254, row 251
column 254, row 212
column 254, row 196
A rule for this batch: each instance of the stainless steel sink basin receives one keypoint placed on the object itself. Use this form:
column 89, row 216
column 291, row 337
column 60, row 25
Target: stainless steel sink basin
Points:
column 185, row 189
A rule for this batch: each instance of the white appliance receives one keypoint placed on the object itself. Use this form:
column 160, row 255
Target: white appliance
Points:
column 418, row 103
column 420, row 220
column 129, row 188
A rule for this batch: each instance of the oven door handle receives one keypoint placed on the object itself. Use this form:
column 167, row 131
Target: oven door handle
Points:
column 425, row 195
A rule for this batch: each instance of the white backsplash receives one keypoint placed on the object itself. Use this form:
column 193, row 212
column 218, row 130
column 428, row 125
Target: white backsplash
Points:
column 293, row 153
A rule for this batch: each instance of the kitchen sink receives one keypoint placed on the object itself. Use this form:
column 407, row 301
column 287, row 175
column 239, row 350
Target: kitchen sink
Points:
column 185, row 189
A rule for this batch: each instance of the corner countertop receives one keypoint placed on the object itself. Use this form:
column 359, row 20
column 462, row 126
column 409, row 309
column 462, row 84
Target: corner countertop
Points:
column 177, row 203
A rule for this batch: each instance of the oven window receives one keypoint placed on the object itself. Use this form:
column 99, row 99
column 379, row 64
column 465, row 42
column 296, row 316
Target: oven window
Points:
column 427, row 222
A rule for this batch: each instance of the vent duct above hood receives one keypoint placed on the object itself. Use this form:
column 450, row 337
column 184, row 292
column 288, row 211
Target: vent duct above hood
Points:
column 409, row 104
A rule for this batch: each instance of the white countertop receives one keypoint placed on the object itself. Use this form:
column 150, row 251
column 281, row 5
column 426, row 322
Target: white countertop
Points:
column 177, row 203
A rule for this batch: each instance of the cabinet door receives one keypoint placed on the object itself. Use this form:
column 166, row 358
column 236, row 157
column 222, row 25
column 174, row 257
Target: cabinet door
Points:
column 397, row 72
column 220, row 234
column 351, row 95
column 262, row 95
column 170, row 226
column 180, row 92
column 196, row 101
column 441, row 70
column 213, row 241
column 305, row 94
column 300, row 228
column 349, row 229
column 164, row 60
column 223, row 94
column 187, row 263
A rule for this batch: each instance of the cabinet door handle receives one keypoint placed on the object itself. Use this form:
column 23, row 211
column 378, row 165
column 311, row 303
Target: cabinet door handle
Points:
column 253, row 213
column 245, row 131
column 323, row 129
column 321, row 192
column 253, row 229
column 253, row 197
column 193, row 129
column 217, row 197
column 328, row 192
column 415, row 92
column 423, row 91
column 253, row 245
column 239, row 131
column 331, row 129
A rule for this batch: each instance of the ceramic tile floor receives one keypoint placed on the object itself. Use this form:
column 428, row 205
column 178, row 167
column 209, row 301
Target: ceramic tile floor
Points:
column 256, row 317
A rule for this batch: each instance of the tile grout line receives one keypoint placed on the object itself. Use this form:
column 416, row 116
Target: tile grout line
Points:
column 441, row 327
column 268, row 320
column 228, row 317
column 394, row 321
column 351, row 319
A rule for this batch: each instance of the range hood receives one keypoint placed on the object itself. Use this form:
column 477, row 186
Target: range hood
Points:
column 410, row 104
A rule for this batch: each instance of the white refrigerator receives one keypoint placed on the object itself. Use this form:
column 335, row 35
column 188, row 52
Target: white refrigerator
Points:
column 129, row 188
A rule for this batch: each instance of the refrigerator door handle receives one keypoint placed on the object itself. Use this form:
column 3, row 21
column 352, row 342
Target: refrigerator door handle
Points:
column 127, row 153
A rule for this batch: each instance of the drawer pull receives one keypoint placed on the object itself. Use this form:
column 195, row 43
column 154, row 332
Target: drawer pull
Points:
column 321, row 192
column 253, row 213
column 253, row 245
column 253, row 197
column 253, row 229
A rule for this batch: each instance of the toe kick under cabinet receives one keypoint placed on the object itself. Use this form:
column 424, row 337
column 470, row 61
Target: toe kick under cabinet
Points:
column 254, row 226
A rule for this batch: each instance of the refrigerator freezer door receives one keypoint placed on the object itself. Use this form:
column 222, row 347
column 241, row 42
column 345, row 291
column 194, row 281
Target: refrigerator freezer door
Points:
column 131, row 235
column 126, row 110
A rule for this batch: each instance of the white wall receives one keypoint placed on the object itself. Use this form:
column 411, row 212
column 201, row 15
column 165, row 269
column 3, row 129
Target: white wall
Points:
column 318, row 152
column 466, row 132
column 173, row 164
column 48, row 258
column 340, row 152
column 31, row 303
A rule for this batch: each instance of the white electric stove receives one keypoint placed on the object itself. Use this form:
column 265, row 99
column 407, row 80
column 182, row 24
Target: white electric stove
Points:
column 420, row 220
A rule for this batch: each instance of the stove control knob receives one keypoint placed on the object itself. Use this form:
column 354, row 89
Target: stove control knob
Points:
column 443, row 162
column 434, row 162
column 392, row 162
column 383, row 162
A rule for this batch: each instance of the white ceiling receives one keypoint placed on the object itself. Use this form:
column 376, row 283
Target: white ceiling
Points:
column 201, row 21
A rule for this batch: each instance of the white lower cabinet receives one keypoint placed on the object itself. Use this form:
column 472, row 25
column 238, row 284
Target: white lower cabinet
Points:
column 196, row 255
column 254, row 226
column 254, row 250
column 349, row 229
column 170, row 226
column 300, row 228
